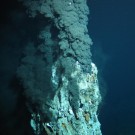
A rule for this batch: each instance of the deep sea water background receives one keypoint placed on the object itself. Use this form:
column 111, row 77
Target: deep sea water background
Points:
column 112, row 29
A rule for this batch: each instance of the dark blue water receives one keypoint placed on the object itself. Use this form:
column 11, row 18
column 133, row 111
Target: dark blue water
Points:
column 112, row 28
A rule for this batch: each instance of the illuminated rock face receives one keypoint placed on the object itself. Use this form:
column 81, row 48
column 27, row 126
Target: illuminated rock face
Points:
column 83, row 119
column 67, row 102
column 65, row 118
